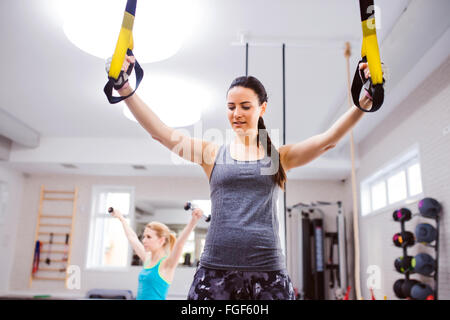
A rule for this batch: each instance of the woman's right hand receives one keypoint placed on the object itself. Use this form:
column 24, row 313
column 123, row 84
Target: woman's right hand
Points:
column 116, row 213
column 197, row 214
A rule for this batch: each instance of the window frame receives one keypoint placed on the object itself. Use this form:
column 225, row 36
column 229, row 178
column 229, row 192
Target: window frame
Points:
column 94, row 215
column 393, row 167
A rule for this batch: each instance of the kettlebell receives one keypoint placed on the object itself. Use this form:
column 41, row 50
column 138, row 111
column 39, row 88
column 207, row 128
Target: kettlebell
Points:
column 425, row 233
column 424, row 264
column 429, row 207
column 421, row 291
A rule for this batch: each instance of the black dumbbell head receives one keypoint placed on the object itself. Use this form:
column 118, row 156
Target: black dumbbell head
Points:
column 421, row 291
column 424, row 264
column 425, row 233
column 407, row 286
column 429, row 207
column 403, row 264
column 187, row 206
column 398, row 288
column 402, row 214
column 403, row 239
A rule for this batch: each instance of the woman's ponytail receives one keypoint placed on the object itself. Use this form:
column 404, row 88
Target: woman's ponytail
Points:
column 172, row 239
column 279, row 177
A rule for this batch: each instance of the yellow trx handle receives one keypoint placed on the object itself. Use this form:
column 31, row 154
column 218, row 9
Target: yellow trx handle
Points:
column 370, row 50
column 124, row 42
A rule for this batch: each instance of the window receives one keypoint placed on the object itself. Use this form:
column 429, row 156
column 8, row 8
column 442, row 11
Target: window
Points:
column 414, row 179
column 108, row 246
column 397, row 183
column 378, row 193
column 397, row 187
column 189, row 248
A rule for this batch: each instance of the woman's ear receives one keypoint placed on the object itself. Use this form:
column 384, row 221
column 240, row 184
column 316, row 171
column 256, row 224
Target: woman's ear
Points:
column 263, row 109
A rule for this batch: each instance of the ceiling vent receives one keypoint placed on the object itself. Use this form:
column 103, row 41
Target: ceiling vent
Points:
column 69, row 166
column 139, row 167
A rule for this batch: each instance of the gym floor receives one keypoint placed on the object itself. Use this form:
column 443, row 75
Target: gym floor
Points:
column 59, row 133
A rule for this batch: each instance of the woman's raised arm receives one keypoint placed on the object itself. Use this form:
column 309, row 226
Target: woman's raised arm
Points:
column 298, row 154
column 194, row 150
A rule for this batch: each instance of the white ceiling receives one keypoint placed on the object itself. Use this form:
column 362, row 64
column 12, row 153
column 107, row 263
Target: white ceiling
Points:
column 57, row 90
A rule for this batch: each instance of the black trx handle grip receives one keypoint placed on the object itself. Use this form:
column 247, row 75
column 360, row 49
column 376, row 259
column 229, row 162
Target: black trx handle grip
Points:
column 370, row 54
column 111, row 81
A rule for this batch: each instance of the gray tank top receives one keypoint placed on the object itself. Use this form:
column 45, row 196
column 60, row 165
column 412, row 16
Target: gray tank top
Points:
column 243, row 232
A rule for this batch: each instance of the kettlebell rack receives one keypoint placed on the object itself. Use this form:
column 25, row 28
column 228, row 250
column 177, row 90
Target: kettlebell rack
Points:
column 405, row 246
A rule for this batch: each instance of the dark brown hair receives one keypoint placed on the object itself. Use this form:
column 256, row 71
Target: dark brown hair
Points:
column 250, row 82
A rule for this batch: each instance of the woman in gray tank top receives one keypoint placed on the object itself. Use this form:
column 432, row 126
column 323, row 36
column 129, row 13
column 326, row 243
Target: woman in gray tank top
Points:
column 242, row 257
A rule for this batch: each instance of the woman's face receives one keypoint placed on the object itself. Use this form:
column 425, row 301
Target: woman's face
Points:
column 151, row 241
column 244, row 110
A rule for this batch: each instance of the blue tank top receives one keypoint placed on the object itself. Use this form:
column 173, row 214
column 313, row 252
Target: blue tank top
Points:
column 151, row 285
column 243, row 232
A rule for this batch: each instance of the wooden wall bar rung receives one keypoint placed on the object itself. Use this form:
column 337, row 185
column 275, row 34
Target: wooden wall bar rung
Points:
column 54, row 233
column 53, row 191
column 52, row 269
column 57, row 242
column 56, row 225
column 59, row 199
column 59, row 217
column 53, row 251
column 52, row 260
column 49, row 278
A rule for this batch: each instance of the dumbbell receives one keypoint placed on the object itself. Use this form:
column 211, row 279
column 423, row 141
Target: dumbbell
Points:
column 404, row 264
column 189, row 206
column 402, row 287
column 429, row 207
column 403, row 239
column 402, row 214
column 422, row 263
column 398, row 285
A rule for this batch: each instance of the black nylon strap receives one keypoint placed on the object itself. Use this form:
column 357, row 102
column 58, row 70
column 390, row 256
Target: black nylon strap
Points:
column 108, row 89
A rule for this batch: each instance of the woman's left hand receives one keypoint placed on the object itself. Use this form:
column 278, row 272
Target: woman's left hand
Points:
column 366, row 100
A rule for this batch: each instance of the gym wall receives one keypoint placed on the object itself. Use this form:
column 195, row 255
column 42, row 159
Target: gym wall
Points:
column 307, row 192
column 20, row 253
column 419, row 119
column 9, row 222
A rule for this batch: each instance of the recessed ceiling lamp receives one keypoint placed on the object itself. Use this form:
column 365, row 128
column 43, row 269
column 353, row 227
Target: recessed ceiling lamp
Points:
column 160, row 26
column 177, row 101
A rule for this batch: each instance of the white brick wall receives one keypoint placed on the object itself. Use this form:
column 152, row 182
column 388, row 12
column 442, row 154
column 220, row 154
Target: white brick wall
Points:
column 420, row 119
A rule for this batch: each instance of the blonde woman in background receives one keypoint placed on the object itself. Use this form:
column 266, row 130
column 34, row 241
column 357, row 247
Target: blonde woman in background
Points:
column 159, row 251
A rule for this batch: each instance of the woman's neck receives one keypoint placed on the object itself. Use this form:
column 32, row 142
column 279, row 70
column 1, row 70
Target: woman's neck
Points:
column 245, row 140
column 157, row 255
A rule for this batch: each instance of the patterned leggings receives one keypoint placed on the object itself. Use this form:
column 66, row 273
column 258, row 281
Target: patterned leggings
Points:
column 211, row 284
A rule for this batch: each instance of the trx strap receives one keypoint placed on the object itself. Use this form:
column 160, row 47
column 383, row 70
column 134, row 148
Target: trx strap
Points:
column 370, row 53
column 124, row 46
